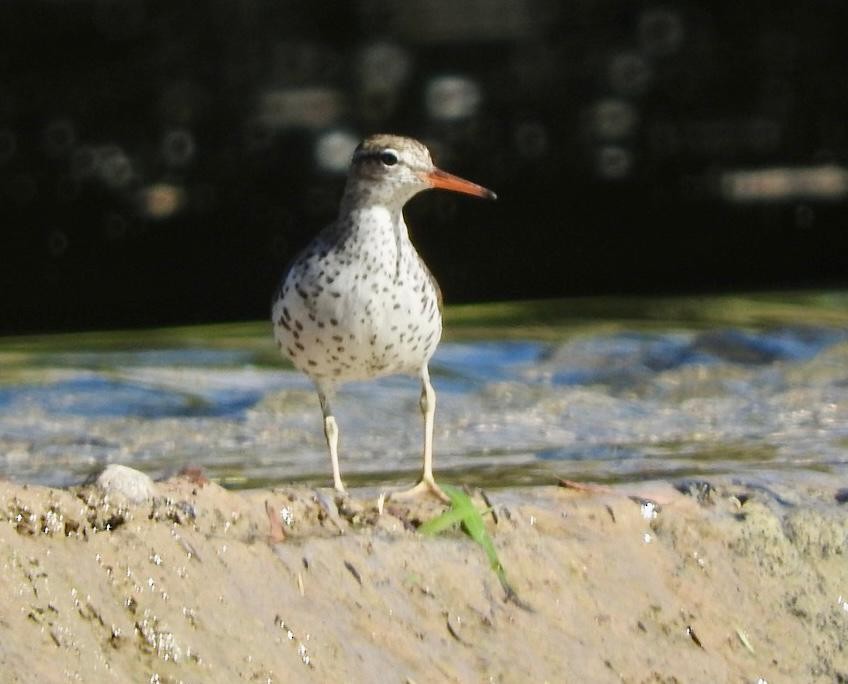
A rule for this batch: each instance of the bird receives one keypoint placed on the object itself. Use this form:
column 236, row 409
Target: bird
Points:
column 358, row 302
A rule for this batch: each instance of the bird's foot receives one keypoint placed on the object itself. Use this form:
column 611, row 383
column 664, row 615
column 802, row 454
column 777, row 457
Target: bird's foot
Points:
column 338, row 485
column 426, row 486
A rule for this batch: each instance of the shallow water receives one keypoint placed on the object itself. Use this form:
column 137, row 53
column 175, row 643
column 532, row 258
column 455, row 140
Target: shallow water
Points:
column 607, row 390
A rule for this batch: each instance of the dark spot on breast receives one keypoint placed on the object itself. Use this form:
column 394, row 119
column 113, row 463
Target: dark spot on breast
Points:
column 299, row 346
column 283, row 323
column 311, row 362
column 335, row 294
column 302, row 293
column 338, row 338
column 333, row 321
column 320, row 324
column 286, row 313
column 298, row 325
column 291, row 351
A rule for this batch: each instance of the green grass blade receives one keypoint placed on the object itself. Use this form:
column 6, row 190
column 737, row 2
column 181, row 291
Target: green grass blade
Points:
column 442, row 522
column 463, row 511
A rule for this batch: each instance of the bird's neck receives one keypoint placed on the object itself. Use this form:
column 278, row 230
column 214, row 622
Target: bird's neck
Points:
column 379, row 230
column 362, row 194
column 375, row 222
column 373, row 213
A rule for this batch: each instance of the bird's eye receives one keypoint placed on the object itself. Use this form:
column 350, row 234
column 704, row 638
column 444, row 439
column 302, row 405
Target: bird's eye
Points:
column 388, row 158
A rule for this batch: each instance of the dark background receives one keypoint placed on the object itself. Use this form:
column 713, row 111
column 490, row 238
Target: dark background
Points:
column 161, row 160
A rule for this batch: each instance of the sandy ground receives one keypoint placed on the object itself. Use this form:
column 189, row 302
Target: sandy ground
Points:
column 731, row 583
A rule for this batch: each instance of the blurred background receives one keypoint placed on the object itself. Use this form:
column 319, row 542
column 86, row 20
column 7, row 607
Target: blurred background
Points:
column 162, row 160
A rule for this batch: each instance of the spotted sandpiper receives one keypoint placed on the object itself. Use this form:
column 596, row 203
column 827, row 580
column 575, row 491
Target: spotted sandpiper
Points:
column 358, row 302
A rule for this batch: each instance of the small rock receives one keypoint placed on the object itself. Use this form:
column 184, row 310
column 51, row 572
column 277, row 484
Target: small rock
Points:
column 133, row 484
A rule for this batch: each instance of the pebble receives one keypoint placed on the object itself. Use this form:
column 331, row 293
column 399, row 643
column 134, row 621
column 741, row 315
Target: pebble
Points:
column 133, row 484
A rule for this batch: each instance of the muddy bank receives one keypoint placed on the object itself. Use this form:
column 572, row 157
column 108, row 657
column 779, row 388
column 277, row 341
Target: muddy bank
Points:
column 734, row 582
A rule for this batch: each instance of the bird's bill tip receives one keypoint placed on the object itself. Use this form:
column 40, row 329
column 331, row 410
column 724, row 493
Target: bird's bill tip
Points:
column 447, row 181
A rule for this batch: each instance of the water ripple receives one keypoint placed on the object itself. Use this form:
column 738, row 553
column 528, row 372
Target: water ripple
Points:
column 604, row 406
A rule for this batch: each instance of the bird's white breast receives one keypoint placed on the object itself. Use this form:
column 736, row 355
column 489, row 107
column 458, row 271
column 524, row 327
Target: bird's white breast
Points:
column 358, row 303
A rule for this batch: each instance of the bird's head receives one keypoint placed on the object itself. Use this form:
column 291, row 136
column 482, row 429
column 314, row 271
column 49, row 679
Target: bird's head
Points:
column 390, row 169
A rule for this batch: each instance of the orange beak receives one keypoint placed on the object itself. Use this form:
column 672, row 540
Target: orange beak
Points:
column 447, row 181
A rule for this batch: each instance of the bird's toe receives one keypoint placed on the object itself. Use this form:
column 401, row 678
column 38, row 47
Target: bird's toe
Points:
column 426, row 487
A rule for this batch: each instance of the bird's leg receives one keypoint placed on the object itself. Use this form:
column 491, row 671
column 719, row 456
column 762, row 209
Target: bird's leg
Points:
column 331, row 432
column 427, row 403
